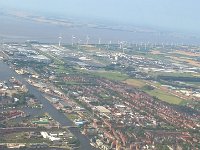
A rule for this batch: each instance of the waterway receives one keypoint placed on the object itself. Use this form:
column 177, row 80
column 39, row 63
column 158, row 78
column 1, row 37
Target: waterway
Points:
column 6, row 73
column 16, row 29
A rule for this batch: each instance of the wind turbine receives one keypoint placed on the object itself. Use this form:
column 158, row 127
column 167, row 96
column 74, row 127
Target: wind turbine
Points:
column 118, row 43
column 109, row 43
column 79, row 42
column 145, row 46
column 73, row 37
column 163, row 45
column 121, row 45
column 59, row 43
column 136, row 45
column 141, row 44
column 99, row 41
column 87, row 40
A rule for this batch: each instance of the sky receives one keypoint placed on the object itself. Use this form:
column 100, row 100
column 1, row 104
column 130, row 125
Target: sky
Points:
column 180, row 15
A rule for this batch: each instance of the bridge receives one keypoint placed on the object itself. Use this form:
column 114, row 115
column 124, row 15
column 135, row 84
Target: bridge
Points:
column 31, row 129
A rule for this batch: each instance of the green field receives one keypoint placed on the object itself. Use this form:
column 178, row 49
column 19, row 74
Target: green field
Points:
column 165, row 96
column 135, row 82
column 111, row 75
column 21, row 138
column 175, row 74
column 61, row 69
column 162, row 95
column 67, row 70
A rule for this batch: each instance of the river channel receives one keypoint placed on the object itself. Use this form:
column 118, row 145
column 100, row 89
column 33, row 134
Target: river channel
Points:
column 6, row 73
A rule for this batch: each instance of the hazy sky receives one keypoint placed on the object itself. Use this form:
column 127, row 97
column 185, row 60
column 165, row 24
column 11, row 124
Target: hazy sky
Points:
column 172, row 14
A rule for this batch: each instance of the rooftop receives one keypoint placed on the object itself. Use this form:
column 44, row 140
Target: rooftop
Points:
column 102, row 109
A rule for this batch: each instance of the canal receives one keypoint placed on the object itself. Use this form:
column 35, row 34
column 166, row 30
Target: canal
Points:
column 6, row 73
